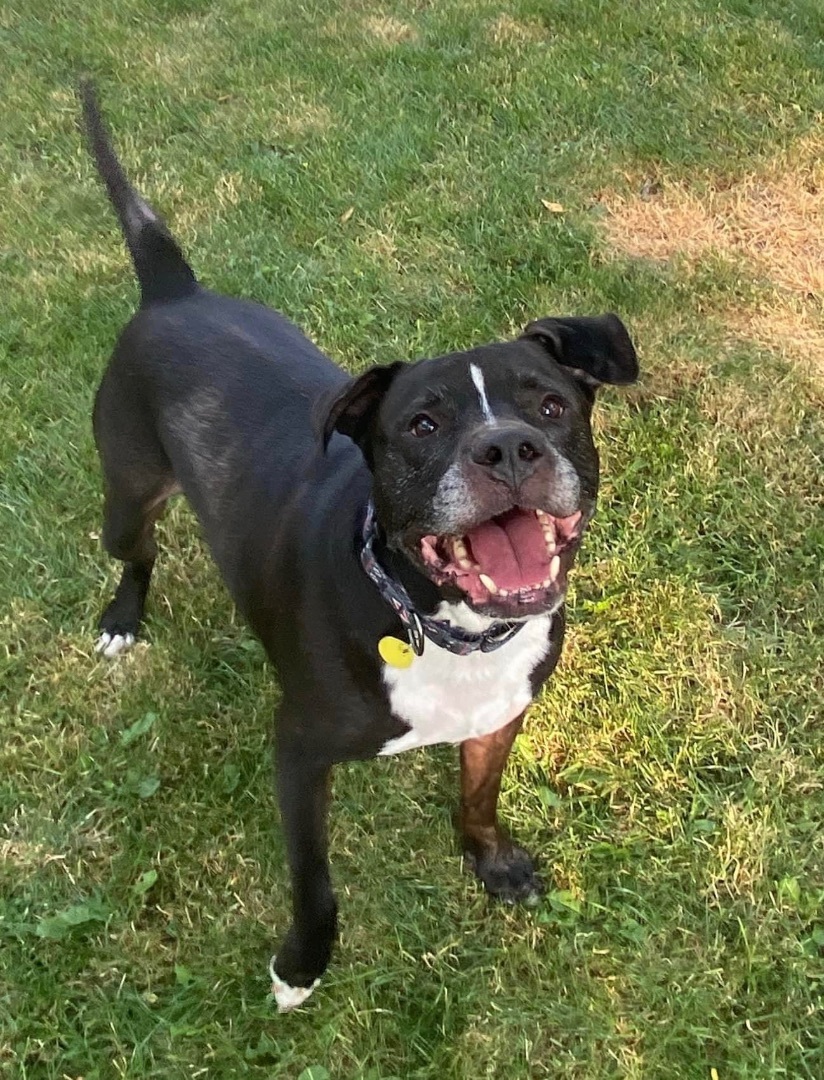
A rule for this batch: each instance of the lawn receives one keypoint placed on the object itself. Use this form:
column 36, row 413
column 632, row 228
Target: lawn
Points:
column 403, row 180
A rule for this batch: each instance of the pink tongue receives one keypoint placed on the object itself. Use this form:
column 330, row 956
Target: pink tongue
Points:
column 511, row 550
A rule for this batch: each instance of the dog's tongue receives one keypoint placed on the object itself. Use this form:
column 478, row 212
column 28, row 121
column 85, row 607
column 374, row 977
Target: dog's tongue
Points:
column 511, row 549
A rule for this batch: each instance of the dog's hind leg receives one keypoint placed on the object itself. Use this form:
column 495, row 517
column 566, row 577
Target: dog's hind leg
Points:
column 128, row 535
column 138, row 481
column 303, row 794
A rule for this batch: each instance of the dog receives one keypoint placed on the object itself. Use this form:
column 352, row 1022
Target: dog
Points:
column 399, row 542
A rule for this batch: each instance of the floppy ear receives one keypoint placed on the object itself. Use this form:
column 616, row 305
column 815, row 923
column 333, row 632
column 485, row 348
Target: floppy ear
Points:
column 597, row 349
column 352, row 410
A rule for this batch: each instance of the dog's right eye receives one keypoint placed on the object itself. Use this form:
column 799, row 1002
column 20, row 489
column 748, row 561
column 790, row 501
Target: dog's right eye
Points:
column 552, row 407
column 422, row 424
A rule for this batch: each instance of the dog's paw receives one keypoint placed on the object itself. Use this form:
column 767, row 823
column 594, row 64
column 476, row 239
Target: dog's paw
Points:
column 112, row 645
column 508, row 874
column 288, row 997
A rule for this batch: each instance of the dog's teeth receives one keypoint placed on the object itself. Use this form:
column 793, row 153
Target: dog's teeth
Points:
column 489, row 584
column 546, row 583
column 466, row 564
column 503, row 592
column 554, row 567
column 542, row 516
column 459, row 548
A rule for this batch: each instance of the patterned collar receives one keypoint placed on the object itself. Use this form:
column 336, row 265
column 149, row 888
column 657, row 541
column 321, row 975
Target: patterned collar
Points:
column 418, row 627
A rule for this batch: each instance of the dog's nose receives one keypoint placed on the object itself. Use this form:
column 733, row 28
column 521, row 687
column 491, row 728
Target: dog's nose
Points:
column 510, row 454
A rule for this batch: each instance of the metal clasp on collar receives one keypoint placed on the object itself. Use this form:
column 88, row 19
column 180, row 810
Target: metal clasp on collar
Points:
column 503, row 632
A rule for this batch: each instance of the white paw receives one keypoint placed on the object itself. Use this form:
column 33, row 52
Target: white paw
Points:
column 111, row 645
column 288, row 997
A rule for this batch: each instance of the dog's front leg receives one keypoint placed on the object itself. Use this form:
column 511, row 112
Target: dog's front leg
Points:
column 506, row 870
column 303, row 795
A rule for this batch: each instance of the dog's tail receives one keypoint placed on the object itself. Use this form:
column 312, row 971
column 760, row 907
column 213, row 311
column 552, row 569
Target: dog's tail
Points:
column 161, row 269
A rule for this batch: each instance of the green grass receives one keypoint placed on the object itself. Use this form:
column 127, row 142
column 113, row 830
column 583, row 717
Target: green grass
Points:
column 670, row 778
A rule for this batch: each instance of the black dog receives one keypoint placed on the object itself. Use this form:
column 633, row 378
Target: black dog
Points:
column 399, row 542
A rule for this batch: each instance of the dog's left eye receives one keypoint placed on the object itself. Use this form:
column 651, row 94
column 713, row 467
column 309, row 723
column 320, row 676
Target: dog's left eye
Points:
column 422, row 425
column 552, row 407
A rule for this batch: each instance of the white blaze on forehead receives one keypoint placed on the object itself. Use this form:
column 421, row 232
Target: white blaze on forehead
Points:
column 480, row 386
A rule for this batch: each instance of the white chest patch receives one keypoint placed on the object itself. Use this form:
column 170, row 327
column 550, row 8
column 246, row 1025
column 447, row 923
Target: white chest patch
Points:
column 448, row 699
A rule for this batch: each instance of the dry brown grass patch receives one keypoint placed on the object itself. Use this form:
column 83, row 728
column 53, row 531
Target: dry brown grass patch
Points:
column 793, row 330
column 24, row 850
column 773, row 219
column 286, row 111
column 508, row 31
column 232, row 188
column 388, row 30
column 741, row 854
column 770, row 224
column 193, row 50
column 381, row 246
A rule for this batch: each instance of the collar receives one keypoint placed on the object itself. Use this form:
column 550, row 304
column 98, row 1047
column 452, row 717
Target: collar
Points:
column 418, row 627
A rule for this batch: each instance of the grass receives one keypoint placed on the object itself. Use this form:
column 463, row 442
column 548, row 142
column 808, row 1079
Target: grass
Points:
column 670, row 778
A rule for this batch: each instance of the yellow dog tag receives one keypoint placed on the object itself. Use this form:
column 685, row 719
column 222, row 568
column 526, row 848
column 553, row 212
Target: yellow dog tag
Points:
column 395, row 652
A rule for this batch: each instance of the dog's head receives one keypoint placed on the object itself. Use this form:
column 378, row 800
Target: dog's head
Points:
column 485, row 472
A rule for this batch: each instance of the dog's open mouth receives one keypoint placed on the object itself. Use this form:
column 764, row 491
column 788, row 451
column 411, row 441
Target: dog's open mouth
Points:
column 516, row 558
